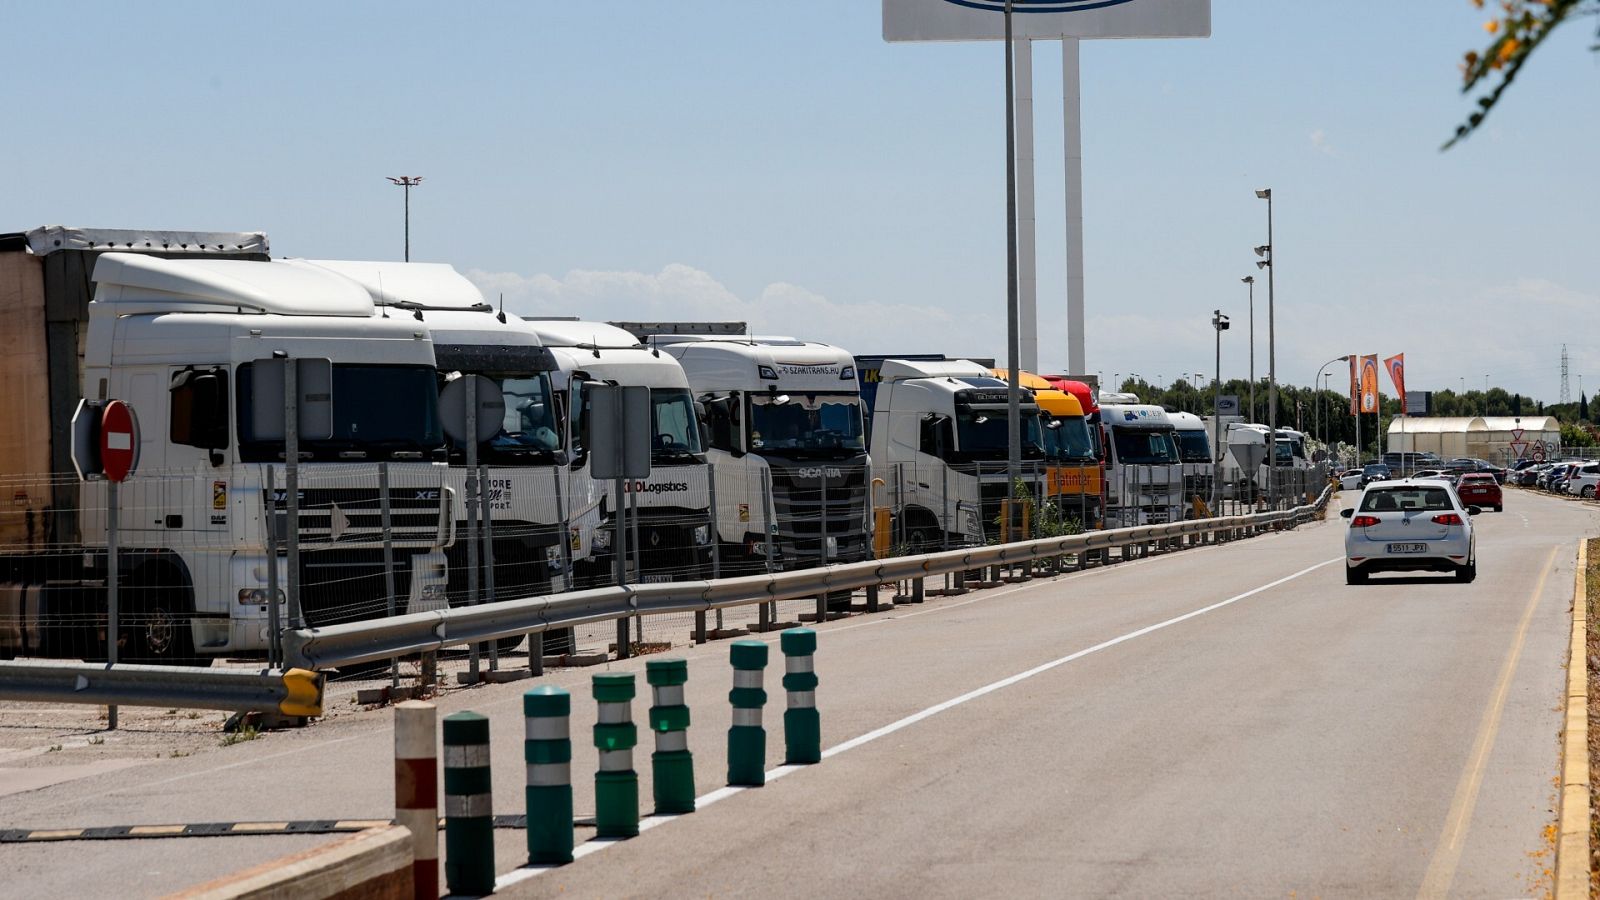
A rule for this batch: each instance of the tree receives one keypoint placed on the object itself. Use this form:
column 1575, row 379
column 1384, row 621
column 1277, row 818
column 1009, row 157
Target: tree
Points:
column 1517, row 30
column 1583, row 407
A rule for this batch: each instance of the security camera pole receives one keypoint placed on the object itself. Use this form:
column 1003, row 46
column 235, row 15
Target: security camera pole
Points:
column 1270, row 257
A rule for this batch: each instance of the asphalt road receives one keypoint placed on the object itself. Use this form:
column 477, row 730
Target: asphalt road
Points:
column 1223, row 721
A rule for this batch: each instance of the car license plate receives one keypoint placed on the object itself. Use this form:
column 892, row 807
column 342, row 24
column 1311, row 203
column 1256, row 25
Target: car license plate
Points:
column 1408, row 548
column 656, row 579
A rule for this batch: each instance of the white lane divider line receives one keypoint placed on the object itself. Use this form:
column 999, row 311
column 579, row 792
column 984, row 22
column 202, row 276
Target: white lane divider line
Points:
column 592, row 846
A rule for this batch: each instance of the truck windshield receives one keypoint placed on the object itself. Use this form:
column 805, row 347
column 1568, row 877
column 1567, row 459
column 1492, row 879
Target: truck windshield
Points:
column 674, row 430
column 1144, row 446
column 1193, row 446
column 983, row 434
column 378, row 412
column 1069, row 440
column 530, row 430
column 807, row 424
column 1285, row 452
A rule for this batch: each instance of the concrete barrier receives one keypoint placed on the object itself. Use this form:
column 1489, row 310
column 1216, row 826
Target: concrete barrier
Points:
column 369, row 865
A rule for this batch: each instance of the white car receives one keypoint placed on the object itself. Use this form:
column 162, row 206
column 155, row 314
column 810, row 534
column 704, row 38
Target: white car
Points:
column 1583, row 481
column 1410, row 526
column 1350, row 480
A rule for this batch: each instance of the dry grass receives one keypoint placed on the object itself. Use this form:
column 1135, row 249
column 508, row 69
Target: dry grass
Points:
column 1592, row 651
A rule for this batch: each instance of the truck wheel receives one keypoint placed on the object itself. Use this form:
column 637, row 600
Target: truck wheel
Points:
column 155, row 623
column 922, row 540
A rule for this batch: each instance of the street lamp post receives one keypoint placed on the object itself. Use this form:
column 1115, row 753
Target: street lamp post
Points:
column 1013, row 388
column 1250, row 280
column 407, row 182
column 1324, row 368
column 1219, row 322
column 1269, row 262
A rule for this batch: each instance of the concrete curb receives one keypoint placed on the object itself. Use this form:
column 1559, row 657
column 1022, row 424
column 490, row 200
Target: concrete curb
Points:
column 370, row 865
column 1572, row 842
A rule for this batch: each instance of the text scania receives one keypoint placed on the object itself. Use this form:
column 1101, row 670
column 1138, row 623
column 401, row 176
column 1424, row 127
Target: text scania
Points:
column 660, row 487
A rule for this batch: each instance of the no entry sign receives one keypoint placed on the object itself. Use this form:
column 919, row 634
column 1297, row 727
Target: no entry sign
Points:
column 119, row 441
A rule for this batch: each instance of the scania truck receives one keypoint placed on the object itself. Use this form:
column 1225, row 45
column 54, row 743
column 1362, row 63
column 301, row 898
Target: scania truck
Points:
column 674, row 527
column 1144, row 470
column 178, row 326
column 939, row 440
column 524, row 457
column 787, row 439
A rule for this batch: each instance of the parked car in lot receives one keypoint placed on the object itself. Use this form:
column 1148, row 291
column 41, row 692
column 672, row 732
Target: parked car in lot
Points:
column 1480, row 489
column 1351, row 480
column 1499, row 472
column 1410, row 526
column 1583, row 480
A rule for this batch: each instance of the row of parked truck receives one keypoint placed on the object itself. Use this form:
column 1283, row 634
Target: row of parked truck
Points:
column 766, row 452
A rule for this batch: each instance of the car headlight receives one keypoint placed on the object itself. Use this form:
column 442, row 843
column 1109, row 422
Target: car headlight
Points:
column 602, row 540
column 256, row 596
column 702, row 534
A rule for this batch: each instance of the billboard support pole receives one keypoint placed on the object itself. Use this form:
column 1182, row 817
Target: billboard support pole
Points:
column 1072, row 146
column 1027, row 248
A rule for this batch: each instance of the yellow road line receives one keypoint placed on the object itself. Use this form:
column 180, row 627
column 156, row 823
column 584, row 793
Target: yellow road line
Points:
column 1572, row 844
column 1447, row 855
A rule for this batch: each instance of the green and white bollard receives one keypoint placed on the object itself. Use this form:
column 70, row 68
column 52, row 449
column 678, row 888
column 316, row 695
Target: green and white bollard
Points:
column 747, row 740
column 802, row 728
column 616, row 785
column 468, row 805
column 547, row 751
column 671, row 765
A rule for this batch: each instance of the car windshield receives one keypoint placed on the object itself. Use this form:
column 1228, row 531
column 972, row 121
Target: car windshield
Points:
column 1398, row 499
column 378, row 412
column 806, row 424
column 1375, row 470
column 1069, row 439
column 1193, row 446
column 674, row 431
column 1144, row 446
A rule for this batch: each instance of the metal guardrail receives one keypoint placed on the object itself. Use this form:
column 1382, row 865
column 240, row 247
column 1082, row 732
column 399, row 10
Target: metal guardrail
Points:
column 292, row 692
column 376, row 639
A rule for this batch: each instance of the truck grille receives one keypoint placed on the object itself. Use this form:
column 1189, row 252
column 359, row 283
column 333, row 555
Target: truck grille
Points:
column 347, row 585
column 829, row 502
column 353, row 517
column 521, row 566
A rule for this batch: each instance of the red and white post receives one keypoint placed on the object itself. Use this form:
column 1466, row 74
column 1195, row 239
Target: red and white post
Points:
column 416, row 791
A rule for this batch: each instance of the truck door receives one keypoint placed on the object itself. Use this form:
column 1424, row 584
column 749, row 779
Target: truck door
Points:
column 143, row 497
column 196, row 436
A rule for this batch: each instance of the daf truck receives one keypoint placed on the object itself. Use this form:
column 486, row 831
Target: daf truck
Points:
column 1072, row 474
column 525, row 458
column 178, row 327
column 786, row 439
column 939, row 440
column 1144, row 470
column 673, row 525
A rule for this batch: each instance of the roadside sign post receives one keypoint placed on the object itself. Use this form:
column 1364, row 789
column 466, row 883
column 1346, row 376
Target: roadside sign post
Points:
column 621, row 438
column 119, row 455
column 472, row 409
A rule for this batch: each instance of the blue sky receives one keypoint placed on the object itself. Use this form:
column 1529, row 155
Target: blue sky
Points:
column 779, row 162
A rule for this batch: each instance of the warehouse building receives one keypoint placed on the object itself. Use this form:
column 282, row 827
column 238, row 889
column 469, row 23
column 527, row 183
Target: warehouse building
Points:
column 1494, row 438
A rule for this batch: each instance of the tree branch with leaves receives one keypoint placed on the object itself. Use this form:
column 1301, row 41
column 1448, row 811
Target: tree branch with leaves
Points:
column 1518, row 28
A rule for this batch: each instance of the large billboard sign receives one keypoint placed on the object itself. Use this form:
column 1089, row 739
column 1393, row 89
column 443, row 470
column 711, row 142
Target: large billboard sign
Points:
column 1044, row 20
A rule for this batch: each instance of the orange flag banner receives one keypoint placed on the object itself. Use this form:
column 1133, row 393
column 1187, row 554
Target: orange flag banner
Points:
column 1396, row 365
column 1369, row 383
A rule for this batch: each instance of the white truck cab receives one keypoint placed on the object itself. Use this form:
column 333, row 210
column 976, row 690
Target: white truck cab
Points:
column 525, row 459
column 1144, row 469
column 787, row 440
column 1194, row 448
column 674, row 524
column 939, row 439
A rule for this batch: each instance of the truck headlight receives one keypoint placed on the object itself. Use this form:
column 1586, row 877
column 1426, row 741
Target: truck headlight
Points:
column 702, row 534
column 256, row 596
column 602, row 540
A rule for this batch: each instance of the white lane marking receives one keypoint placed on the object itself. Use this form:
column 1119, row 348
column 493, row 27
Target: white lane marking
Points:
column 592, row 846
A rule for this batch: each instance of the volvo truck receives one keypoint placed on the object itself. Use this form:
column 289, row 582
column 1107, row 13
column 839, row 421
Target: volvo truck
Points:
column 939, row 440
column 524, row 457
column 1144, row 470
column 673, row 524
column 182, row 327
column 786, row 439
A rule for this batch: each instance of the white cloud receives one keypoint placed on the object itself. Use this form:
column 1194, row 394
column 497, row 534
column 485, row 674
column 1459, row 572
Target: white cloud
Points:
column 683, row 293
column 1319, row 140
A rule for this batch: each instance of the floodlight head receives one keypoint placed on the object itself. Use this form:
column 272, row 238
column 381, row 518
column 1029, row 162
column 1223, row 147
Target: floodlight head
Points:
column 1264, row 194
column 1248, row 279
column 1263, row 264
column 1263, row 250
